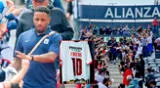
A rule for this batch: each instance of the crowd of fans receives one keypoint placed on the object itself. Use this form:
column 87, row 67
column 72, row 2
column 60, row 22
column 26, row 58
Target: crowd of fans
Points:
column 130, row 52
column 123, row 30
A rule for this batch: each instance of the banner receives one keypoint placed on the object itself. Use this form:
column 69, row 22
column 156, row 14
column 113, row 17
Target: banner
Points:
column 140, row 15
column 119, row 12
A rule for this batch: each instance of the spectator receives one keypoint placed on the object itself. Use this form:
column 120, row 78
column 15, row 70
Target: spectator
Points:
column 128, row 72
column 112, row 53
column 121, row 86
column 69, row 9
column 99, row 76
column 3, row 21
column 16, row 82
column 152, row 84
column 102, row 30
column 157, row 44
column 133, row 83
column 106, row 83
column 120, row 30
column 108, row 30
column 44, row 56
column 114, row 32
column 58, row 22
column 56, row 3
column 149, row 77
column 155, row 24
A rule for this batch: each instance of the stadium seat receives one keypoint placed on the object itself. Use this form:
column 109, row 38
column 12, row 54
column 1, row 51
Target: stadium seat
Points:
column 155, row 68
column 158, row 64
column 158, row 84
column 158, row 79
column 157, row 75
column 157, row 54
column 157, row 60
column 151, row 62
column 152, row 65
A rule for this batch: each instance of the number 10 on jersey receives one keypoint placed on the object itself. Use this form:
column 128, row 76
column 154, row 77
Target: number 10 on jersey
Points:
column 77, row 66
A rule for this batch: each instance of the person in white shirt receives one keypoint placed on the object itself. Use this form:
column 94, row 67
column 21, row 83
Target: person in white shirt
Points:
column 17, row 82
column 105, row 84
column 100, row 75
column 150, row 45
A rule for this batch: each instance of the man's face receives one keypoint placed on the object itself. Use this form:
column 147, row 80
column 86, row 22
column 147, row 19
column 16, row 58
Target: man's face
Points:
column 37, row 3
column 41, row 21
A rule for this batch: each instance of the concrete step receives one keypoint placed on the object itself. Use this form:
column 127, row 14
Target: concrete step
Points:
column 113, row 70
column 117, row 81
column 69, row 86
column 114, row 85
column 113, row 67
column 115, row 75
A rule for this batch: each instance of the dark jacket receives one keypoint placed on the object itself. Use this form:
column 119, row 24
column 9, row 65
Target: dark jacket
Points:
column 58, row 23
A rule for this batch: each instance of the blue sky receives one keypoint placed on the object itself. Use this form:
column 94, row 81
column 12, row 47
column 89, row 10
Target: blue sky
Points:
column 118, row 2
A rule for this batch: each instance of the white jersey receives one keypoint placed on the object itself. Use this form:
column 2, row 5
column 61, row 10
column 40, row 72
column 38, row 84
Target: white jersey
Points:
column 75, row 58
column 101, row 85
column 3, row 10
column 149, row 38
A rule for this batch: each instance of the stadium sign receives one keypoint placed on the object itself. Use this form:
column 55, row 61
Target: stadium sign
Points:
column 119, row 12
column 142, row 12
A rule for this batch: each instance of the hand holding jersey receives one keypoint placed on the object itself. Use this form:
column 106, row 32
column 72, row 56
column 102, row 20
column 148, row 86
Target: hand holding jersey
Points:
column 76, row 58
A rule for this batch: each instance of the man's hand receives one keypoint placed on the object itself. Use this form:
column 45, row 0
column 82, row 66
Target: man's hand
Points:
column 68, row 15
column 21, row 55
column 10, row 3
column 7, row 84
column 17, row 11
column 12, row 8
column 25, row 64
column 19, row 77
column 3, row 28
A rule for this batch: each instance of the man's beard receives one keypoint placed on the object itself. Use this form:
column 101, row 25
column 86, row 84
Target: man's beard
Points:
column 40, row 31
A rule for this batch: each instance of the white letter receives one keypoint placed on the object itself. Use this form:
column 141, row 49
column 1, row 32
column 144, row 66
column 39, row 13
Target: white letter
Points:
column 129, row 13
column 138, row 12
column 109, row 13
column 155, row 12
column 146, row 14
column 116, row 14
column 123, row 12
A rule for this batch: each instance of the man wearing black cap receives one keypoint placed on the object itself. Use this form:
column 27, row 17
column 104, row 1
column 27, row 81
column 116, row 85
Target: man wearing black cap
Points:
column 58, row 22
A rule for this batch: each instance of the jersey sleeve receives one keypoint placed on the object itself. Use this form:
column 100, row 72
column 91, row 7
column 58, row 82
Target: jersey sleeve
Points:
column 89, row 58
